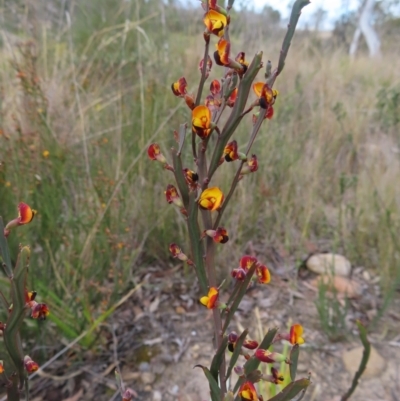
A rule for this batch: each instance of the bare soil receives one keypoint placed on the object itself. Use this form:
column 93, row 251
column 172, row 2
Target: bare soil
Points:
column 162, row 332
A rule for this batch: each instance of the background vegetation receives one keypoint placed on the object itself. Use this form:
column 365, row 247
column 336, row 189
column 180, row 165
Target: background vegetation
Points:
column 85, row 88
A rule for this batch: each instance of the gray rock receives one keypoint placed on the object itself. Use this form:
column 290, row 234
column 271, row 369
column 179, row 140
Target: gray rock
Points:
column 329, row 263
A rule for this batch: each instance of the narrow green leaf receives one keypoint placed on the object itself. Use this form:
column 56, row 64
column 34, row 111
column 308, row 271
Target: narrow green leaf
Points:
column 294, row 19
column 215, row 391
column 179, row 178
column 240, row 294
column 4, row 250
column 294, row 357
column 236, row 352
column 364, row 360
column 218, row 357
column 182, row 137
column 196, row 243
column 253, row 363
column 291, row 390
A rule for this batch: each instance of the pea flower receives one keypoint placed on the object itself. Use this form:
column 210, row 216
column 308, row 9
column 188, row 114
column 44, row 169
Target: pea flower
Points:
column 219, row 235
column 39, row 311
column 1, row 367
column 154, row 153
column 222, row 57
column 25, row 216
column 129, row 394
column 201, row 121
column 172, row 196
column 30, row 365
column 230, row 102
column 264, row 355
column 263, row 274
column 191, row 178
column 266, row 98
column 231, row 152
column 215, row 87
column 275, row 377
column 176, row 252
column 215, row 22
column 250, row 167
column 211, row 199
column 232, row 339
column 210, row 300
column 179, row 87
column 247, row 391
column 208, row 67
column 245, row 264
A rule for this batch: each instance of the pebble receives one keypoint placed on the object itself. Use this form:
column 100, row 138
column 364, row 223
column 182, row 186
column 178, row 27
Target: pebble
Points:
column 329, row 263
column 375, row 367
column 157, row 396
column 342, row 285
column 144, row 366
column 148, row 378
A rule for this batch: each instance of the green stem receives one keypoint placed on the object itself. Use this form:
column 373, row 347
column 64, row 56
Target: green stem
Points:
column 196, row 243
column 235, row 181
column 236, row 114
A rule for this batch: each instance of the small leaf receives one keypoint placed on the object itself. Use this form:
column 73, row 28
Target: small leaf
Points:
column 236, row 352
column 4, row 250
column 253, row 363
column 291, row 390
column 215, row 391
column 240, row 294
column 182, row 136
column 180, row 178
column 363, row 364
column 294, row 357
column 218, row 357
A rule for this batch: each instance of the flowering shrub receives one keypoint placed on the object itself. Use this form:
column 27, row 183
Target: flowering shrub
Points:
column 203, row 203
column 16, row 366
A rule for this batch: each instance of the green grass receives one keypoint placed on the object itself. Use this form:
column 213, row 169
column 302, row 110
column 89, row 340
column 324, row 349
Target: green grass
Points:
column 328, row 160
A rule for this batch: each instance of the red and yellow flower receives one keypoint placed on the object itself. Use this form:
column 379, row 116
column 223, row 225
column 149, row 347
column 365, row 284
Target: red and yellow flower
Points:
column 251, row 166
column 247, row 391
column 191, row 178
column 231, row 151
column 39, row 311
column 201, row 121
column 221, row 56
column 219, row 235
column 154, row 153
column 266, row 356
column 263, row 274
column 215, row 22
column 30, row 365
column 208, row 67
column 176, row 252
column 266, row 97
column 275, row 377
column 295, row 335
column 1, row 367
column 215, row 87
column 232, row 98
column 179, row 87
column 25, row 216
column 172, row 196
column 211, row 199
column 245, row 264
column 241, row 59
column 210, row 300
